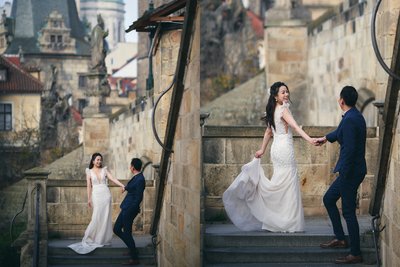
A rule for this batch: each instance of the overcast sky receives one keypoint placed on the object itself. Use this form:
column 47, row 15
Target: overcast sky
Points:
column 131, row 9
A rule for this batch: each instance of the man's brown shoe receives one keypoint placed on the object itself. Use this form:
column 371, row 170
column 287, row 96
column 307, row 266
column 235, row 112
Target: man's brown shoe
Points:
column 131, row 262
column 335, row 243
column 349, row 259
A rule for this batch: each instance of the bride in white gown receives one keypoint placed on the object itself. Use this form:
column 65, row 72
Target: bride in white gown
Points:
column 99, row 231
column 254, row 202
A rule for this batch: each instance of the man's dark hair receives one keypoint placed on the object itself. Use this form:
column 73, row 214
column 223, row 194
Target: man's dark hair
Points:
column 137, row 164
column 349, row 95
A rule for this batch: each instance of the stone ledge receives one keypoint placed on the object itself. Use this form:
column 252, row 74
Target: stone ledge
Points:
column 82, row 183
column 258, row 131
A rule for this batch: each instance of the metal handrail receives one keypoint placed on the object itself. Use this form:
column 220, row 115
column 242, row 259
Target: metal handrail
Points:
column 36, row 250
column 15, row 216
column 375, row 233
column 375, row 44
column 153, row 115
column 176, row 100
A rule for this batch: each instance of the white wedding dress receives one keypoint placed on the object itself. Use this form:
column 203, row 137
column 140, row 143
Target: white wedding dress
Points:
column 254, row 202
column 99, row 231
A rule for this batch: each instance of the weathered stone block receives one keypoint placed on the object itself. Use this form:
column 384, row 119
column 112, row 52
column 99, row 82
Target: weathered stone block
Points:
column 217, row 178
column 312, row 201
column 149, row 198
column 313, row 179
column 53, row 195
column 366, row 186
column 214, row 150
column 73, row 195
column 241, row 151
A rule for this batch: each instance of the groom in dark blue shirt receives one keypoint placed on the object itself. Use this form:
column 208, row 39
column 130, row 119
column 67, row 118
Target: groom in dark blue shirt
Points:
column 130, row 207
column 352, row 168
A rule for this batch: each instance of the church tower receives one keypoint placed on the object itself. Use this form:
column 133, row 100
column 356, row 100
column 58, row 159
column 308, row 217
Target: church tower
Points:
column 112, row 12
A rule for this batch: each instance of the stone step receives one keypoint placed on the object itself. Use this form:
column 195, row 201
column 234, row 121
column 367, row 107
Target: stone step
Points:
column 280, row 255
column 59, row 254
column 284, row 265
column 105, row 260
column 265, row 239
column 111, row 251
column 103, row 265
column 226, row 245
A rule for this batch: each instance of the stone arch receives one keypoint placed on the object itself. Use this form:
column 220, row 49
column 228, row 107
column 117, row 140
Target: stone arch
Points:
column 147, row 171
column 365, row 106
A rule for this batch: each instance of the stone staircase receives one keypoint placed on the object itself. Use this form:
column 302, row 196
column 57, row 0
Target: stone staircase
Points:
column 225, row 245
column 59, row 255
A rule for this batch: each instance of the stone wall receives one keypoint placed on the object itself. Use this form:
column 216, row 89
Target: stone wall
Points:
column 179, row 229
column 387, row 23
column 390, row 212
column 340, row 53
column 68, row 212
column 316, row 59
column 227, row 149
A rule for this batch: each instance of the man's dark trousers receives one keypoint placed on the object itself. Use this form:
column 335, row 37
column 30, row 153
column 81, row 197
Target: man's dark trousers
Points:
column 347, row 190
column 123, row 229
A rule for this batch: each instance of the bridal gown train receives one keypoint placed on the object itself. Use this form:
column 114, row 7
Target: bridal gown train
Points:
column 99, row 231
column 254, row 202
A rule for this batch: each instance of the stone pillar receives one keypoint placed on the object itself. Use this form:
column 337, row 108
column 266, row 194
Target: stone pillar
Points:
column 286, row 42
column 37, row 182
column 96, row 134
column 96, row 125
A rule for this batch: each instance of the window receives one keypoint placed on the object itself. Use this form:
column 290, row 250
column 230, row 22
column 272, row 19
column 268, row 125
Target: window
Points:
column 82, row 81
column 5, row 117
column 3, row 75
column 52, row 38
column 81, row 105
column 59, row 38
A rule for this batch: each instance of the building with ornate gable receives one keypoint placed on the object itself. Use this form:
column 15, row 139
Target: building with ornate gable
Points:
column 50, row 34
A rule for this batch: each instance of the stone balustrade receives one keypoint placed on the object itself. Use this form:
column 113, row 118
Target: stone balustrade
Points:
column 37, row 181
column 227, row 149
column 69, row 214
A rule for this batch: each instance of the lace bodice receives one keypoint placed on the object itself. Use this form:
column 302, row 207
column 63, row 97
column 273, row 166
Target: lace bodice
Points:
column 281, row 127
column 98, row 180
column 282, row 152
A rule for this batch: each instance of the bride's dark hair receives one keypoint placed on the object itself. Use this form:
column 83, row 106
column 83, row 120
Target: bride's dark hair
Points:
column 94, row 156
column 271, row 104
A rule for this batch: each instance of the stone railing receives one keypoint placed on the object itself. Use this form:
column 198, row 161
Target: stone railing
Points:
column 227, row 149
column 69, row 214
column 63, row 212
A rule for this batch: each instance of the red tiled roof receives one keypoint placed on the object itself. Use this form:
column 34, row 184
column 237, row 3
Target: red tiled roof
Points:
column 256, row 23
column 18, row 80
column 14, row 59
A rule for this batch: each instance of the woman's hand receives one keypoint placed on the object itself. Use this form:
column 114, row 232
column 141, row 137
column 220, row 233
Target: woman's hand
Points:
column 320, row 141
column 90, row 203
column 259, row 154
column 313, row 141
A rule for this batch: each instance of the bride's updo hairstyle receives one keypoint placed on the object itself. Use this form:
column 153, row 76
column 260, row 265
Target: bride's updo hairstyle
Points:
column 94, row 156
column 271, row 105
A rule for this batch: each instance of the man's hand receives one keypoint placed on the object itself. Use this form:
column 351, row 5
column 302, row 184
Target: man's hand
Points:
column 320, row 141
